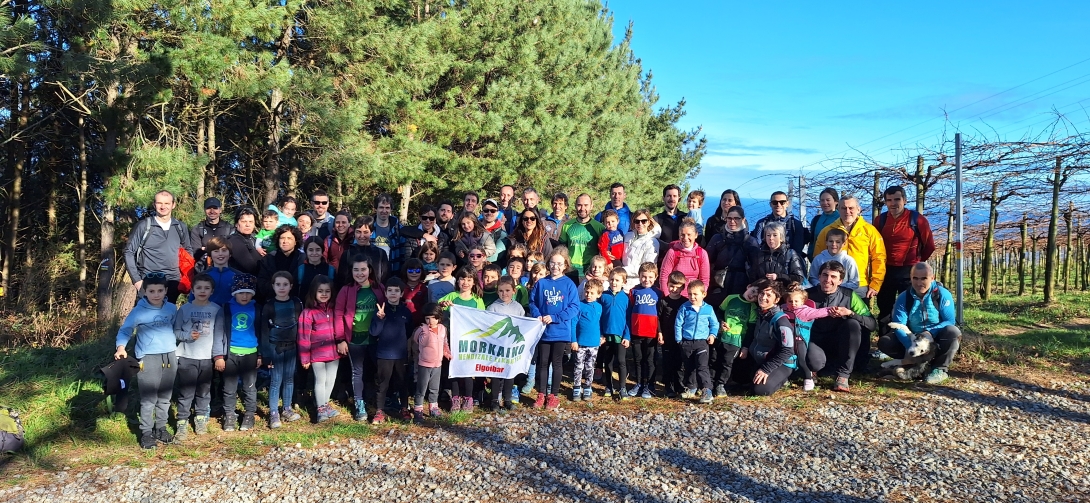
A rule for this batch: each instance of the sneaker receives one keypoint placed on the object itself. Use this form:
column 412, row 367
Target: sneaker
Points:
column 361, row 411
column 515, row 395
column 162, row 435
column 274, row 420
column 808, row 385
column 418, row 416
column 688, row 394
column 671, row 393
column 230, row 422
column 646, row 393
column 707, row 398
column 577, row 395
column 608, row 393
column 467, row 404
column 841, row 385
column 200, row 425
column 147, row 440
column 435, row 412
column 720, row 390
column 621, row 394
column 182, row 432
column 323, row 413
column 937, row 376
column 552, row 402
column 635, row 391
column 405, row 413
column 587, row 394
column 247, row 422
column 527, row 388
column 502, row 410
column 290, row 415
column 380, row 417
column 539, row 402
column 880, row 356
column 455, row 403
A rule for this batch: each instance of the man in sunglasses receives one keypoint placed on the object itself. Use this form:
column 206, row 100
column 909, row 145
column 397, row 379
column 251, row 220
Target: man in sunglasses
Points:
column 212, row 226
column 428, row 230
column 323, row 219
column 796, row 235
column 154, row 244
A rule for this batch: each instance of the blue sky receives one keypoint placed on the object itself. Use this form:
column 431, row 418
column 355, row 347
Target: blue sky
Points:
column 779, row 86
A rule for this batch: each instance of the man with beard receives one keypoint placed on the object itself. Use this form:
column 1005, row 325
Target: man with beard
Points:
column 580, row 234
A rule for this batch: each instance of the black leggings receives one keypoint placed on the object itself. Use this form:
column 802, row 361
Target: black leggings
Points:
column 461, row 386
column 722, row 364
column 550, row 353
column 385, row 371
column 643, row 358
column 613, row 354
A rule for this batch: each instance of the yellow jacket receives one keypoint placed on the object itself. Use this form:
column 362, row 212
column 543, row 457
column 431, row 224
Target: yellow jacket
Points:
column 865, row 246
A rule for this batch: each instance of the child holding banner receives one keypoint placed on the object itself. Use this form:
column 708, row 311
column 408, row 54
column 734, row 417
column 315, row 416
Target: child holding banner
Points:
column 555, row 301
column 502, row 395
column 430, row 345
column 467, row 293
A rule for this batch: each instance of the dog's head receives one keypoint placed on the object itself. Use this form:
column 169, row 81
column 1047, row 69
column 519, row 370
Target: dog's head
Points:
column 922, row 344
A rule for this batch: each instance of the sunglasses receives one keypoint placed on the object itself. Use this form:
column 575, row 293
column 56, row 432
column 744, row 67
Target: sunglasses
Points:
column 530, row 219
column 428, row 218
column 486, row 210
column 413, row 271
column 155, row 275
column 319, row 203
column 734, row 219
column 476, row 255
column 779, row 202
column 642, row 220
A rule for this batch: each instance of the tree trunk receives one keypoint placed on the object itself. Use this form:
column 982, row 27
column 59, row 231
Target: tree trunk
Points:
column 1067, row 251
column 272, row 149
column 1053, row 222
column 972, row 270
column 406, row 195
column 210, row 131
column 81, row 215
column 1033, row 264
column 339, row 183
column 875, row 198
column 989, row 245
column 921, row 189
column 20, row 88
column 1022, row 256
column 201, row 134
column 948, row 254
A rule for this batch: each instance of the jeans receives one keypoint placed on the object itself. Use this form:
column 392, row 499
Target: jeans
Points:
column 235, row 367
column 194, row 387
column 156, row 383
column 325, row 374
column 282, row 376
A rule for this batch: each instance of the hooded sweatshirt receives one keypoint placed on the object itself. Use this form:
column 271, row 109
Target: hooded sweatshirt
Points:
column 693, row 263
column 154, row 328
column 559, row 299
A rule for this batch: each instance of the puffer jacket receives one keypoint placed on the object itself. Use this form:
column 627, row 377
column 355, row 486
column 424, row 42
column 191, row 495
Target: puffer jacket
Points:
column 730, row 251
column 693, row 263
column 637, row 250
column 783, row 262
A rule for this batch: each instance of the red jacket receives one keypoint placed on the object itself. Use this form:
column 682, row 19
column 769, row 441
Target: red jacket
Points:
column 344, row 313
column 902, row 243
column 611, row 247
column 694, row 264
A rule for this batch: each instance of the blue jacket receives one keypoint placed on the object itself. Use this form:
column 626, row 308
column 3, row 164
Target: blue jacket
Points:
column 615, row 314
column 588, row 328
column 559, row 299
column 693, row 325
column 391, row 334
column 923, row 314
column 624, row 216
column 152, row 325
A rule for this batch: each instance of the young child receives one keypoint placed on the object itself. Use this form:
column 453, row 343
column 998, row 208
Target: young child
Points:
column 320, row 348
column 313, row 265
column 193, row 327
column 695, row 330
column 802, row 312
column 535, row 258
column 695, row 202
column 278, row 326
column 391, row 327
column 443, row 283
column 429, row 255
column 518, row 251
column 617, row 337
column 234, row 350
column 468, row 294
column 489, row 279
column 221, row 273
column 834, row 250
column 430, row 346
column 587, row 338
column 555, row 302
column 263, row 239
column 644, row 328
column 667, row 308
column 503, row 399
column 739, row 316
column 285, row 211
column 598, row 269
column 152, row 320
column 516, row 269
column 355, row 308
column 611, row 242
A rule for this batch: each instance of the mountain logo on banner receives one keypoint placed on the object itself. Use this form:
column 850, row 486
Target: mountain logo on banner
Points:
column 500, row 330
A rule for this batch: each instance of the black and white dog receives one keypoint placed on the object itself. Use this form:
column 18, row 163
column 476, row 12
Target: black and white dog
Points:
column 917, row 359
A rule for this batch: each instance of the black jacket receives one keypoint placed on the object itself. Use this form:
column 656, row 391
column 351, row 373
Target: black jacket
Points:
column 203, row 232
column 730, row 251
column 842, row 297
column 244, row 255
column 375, row 255
column 273, row 263
column 783, row 262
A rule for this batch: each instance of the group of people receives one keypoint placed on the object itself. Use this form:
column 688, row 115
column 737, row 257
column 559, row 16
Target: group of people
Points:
column 693, row 306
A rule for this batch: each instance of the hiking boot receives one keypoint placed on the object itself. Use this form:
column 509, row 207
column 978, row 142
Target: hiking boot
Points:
column 552, row 402
column 380, row 417
column 418, row 416
column 808, row 385
column 200, row 425
column 841, row 385
column 230, row 422
column 147, row 440
column 689, row 394
column 937, row 376
column 707, row 397
column 455, row 403
column 720, row 391
column 361, row 411
column 539, row 402
column 435, row 412
column 182, row 432
column 467, row 404
column 162, row 435
column 289, row 415
column 274, row 420
column 247, row 422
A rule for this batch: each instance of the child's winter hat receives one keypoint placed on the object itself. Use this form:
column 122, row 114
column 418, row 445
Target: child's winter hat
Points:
column 243, row 283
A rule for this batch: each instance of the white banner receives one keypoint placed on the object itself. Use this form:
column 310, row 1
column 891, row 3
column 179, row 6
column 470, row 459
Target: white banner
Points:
column 485, row 344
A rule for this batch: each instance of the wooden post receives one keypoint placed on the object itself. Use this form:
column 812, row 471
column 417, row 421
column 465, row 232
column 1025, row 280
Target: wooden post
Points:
column 1022, row 256
column 877, row 196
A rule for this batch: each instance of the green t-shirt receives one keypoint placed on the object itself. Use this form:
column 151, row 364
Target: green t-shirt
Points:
column 366, row 305
column 579, row 238
column 456, row 298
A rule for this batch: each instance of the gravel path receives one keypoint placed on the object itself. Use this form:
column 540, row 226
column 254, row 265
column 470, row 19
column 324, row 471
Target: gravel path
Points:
column 977, row 441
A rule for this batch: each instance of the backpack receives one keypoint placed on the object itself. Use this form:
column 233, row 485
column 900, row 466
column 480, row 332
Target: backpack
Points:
column 186, row 263
column 11, row 430
column 913, row 222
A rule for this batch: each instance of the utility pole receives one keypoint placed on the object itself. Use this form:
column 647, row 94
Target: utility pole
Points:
column 960, row 213
column 802, row 199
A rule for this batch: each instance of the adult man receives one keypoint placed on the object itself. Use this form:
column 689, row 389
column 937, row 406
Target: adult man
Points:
column 212, row 226
column 669, row 220
column 580, row 234
column 245, row 254
column 845, row 334
column 470, row 202
column 323, row 219
column 864, row 245
column 560, row 214
column 426, row 231
column 797, row 236
column 925, row 307
column 507, row 196
column 444, row 216
column 154, row 243
column 386, row 232
column 908, row 241
column 616, row 203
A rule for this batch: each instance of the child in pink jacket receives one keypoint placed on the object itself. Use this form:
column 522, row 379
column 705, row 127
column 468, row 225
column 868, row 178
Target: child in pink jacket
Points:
column 320, row 348
column 429, row 343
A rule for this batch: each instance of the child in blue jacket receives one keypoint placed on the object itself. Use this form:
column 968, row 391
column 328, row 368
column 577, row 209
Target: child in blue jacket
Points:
column 617, row 336
column 695, row 330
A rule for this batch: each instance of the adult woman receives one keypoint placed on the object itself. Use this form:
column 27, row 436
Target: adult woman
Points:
column 490, row 212
column 717, row 222
column 339, row 239
column 306, row 225
column 531, row 233
column 775, row 260
column 640, row 245
column 687, row 257
column 286, row 257
column 471, row 233
column 729, row 250
column 827, row 199
column 245, row 254
column 555, row 301
column 376, row 257
column 770, row 357
column 427, row 231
